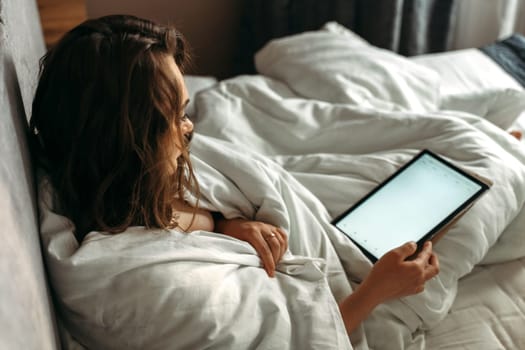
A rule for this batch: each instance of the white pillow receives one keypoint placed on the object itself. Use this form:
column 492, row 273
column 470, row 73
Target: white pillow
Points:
column 466, row 72
column 501, row 107
column 335, row 65
column 472, row 82
column 353, row 38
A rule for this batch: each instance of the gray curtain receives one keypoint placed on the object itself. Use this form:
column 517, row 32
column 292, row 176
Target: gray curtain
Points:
column 409, row 27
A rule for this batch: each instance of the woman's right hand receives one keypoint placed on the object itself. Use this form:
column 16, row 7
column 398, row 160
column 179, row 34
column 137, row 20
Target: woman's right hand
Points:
column 393, row 276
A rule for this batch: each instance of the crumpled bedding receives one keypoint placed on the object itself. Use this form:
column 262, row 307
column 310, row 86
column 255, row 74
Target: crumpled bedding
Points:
column 265, row 151
column 340, row 148
column 167, row 289
column 363, row 154
column 488, row 313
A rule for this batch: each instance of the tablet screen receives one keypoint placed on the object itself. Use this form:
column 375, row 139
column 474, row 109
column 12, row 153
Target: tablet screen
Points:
column 409, row 206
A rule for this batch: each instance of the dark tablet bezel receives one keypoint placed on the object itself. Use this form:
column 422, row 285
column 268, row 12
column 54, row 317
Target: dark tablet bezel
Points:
column 429, row 235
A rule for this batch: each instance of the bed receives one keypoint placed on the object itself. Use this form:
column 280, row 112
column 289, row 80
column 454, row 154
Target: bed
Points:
column 327, row 117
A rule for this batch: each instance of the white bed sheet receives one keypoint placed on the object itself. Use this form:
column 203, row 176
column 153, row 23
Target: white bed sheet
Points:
column 488, row 313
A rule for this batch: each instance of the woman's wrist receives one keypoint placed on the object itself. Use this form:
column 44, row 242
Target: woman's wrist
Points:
column 221, row 223
column 357, row 306
column 367, row 298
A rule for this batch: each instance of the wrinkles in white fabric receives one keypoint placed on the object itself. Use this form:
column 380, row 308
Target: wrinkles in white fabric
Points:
column 340, row 149
column 164, row 289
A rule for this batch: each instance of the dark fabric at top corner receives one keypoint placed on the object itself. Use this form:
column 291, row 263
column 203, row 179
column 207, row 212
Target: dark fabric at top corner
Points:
column 408, row 27
column 509, row 54
column 517, row 43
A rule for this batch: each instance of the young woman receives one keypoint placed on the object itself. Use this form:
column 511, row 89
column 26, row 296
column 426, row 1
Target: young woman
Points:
column 109, row 128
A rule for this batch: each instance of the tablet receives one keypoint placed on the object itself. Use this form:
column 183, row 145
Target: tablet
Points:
column 414, row 204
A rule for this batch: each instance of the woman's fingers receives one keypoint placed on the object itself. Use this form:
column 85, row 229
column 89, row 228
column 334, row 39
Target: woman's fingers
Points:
column 273, row 242
column 428, row 261
column 403, row 252
column 263, row 249
column 270, row 242
column 277, row 242
column 284, row 240
column 424, row 255
column 281, row 241
column 433, row 265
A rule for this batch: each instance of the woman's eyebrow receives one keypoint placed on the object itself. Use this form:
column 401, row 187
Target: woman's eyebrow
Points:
column 186, row 103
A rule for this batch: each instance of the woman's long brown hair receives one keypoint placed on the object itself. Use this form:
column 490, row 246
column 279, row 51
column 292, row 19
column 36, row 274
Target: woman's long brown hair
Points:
column 102, row 124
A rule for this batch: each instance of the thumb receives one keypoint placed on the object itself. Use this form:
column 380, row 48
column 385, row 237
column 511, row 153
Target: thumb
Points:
column 407, row 250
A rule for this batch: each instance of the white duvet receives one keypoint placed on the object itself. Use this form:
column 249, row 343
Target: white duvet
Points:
column 294, row 148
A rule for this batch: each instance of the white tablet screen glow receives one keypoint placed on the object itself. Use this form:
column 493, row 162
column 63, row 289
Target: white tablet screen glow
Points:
column 408, row 207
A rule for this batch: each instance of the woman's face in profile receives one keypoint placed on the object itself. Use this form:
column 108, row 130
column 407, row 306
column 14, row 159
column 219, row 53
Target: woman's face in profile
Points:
column 185, row 123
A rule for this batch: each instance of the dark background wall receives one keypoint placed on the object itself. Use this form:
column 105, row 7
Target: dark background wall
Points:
column 211, row 26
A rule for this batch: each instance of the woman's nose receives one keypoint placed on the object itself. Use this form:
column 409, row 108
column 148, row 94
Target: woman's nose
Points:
column 187, row 126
